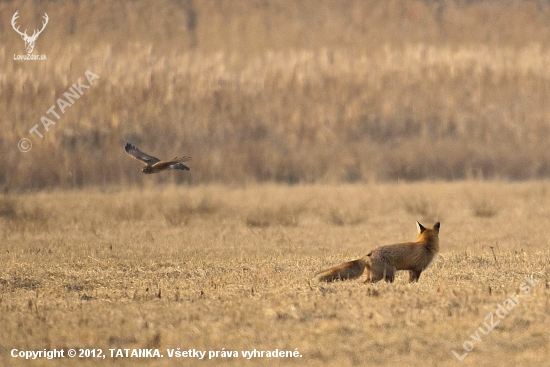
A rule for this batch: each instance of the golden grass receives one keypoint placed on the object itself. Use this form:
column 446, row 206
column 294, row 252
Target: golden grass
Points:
column 362, row 91
column 316, row 93
column 170, row 267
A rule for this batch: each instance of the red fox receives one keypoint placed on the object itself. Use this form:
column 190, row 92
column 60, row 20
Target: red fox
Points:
column 384, row 261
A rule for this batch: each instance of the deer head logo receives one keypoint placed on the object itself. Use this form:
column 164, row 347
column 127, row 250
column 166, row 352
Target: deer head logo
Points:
column 29, row 41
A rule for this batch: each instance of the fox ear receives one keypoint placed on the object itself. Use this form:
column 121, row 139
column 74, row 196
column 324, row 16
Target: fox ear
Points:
column 420, row 227
column 436, row 227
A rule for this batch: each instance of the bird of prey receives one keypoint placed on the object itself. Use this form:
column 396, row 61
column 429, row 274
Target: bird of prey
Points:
column 154, row 165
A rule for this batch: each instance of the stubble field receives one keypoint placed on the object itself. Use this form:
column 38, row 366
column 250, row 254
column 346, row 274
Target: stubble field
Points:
column 218, row 268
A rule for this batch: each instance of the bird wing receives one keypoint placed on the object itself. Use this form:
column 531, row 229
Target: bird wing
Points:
column 174, row 163
column 139, row 155
column 180, row 166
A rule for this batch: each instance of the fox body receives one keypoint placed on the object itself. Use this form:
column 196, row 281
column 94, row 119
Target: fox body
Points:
column 384, row 261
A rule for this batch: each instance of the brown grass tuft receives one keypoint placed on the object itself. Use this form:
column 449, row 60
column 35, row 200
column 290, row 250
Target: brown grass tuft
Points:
column 284, row 215
column 485, row 208
column 423, row 207
column 7, row 208
column 342, row 217
column 186, row 210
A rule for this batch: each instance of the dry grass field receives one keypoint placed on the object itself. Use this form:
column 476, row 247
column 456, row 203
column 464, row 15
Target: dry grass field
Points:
column 319, row 129
column 229, row 268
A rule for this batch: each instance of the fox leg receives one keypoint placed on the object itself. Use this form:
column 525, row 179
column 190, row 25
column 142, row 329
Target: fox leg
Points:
column 369, row 276
column 389, row 274
column 374, row 273
column 378, row 272
column 414, row 275
column 373, row 278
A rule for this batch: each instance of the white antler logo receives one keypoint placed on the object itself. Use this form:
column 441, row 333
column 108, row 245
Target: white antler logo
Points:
column 29, row 41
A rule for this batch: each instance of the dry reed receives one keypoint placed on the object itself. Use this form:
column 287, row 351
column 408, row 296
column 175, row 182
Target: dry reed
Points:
column 307, row 92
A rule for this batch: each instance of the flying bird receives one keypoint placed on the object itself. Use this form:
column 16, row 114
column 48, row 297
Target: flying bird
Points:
column 154, row 165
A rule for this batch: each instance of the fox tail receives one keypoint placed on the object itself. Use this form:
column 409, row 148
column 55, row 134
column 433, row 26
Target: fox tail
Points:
column 350, row 270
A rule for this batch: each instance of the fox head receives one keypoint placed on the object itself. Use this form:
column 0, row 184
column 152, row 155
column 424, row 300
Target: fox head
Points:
column 428, row 234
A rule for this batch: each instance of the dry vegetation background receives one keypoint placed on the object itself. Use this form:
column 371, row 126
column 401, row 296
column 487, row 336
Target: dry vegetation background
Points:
column 307, row 91
column 347, row 99
column 213, row 267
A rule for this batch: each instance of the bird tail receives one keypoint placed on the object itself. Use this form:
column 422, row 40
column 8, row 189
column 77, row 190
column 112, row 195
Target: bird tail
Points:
column 180, row 160
column 176, row 163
